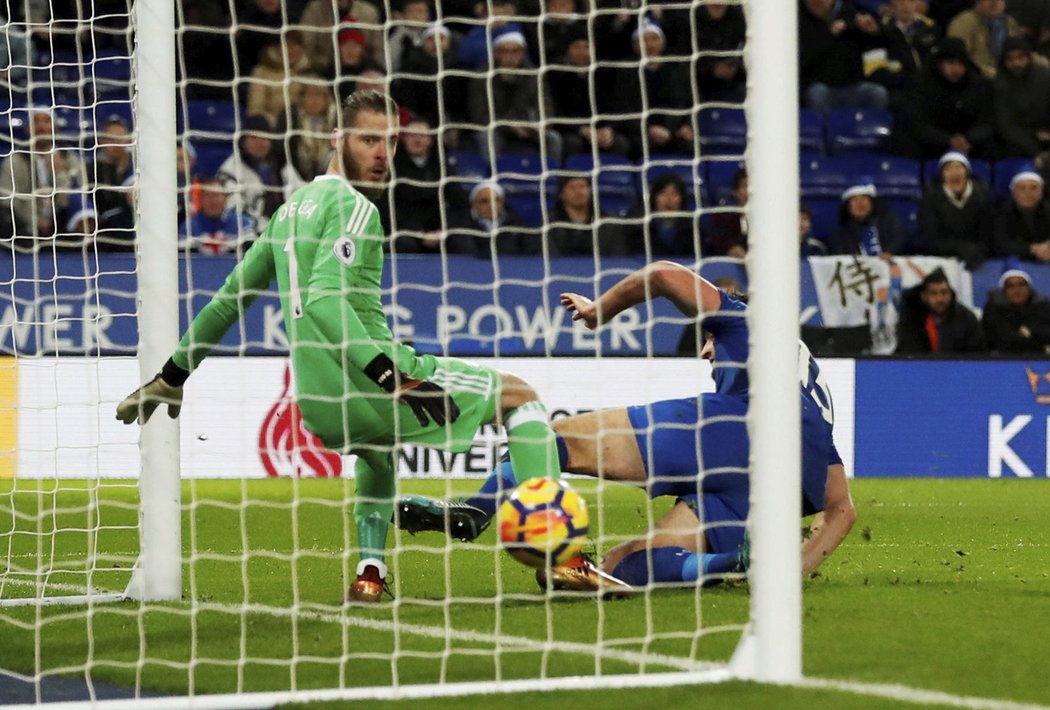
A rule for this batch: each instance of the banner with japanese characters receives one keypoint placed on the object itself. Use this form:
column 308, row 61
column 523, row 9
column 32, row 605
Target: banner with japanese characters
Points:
column 859, row 290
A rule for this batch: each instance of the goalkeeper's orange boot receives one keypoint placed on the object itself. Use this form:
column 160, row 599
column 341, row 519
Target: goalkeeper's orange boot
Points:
column 580, row 574
column 370, row 584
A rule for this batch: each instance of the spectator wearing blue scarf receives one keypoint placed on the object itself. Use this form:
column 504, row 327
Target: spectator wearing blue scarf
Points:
column 866, row 226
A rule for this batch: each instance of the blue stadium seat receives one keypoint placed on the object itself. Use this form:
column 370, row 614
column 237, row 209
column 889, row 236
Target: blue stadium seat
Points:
column 1004, row 172
column 825, row 211
column 723, row 130
column 105, row 108
column 211, row 120
column 467, row 164
column 616, row 179
column 811, row 131
column 981, row 169
column 893, row 177
column 720, row 174
column 58, row 88
column 528, row 184
column 685, row 167
column 907, row 211
column 111, row 73
column 210, row 155
column 851, row 130
column 823, row 177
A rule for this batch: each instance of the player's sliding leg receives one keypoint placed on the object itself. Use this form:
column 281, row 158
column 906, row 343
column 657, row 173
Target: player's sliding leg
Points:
column 534, row 449
column 530, row 438
column 596, row 443
column 375, row 490
column 676, row 551
column 581, row 574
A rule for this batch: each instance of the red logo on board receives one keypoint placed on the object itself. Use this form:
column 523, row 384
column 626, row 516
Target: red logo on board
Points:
column 287, row 447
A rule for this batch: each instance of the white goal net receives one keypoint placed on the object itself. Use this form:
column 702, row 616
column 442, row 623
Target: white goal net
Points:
column 546, row 147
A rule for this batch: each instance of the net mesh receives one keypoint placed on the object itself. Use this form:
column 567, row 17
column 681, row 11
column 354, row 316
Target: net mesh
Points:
column 543, row 149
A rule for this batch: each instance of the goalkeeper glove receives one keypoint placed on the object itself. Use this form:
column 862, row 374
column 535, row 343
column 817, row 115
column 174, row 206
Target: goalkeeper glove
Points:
column 425, row 398
column 165, row 388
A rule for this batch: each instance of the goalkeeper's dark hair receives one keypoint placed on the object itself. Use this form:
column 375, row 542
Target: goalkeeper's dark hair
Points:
column 367, row 100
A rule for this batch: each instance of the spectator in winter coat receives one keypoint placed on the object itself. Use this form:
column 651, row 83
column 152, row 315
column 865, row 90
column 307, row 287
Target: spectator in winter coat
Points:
column 488, row 228
column 933, row 322
column 867, row 227
column 1022, row 101
column 952, row 107
column 1016, row 319
column 910, row 38
column 578, row 227
column 983, row 29
column 832, row 39
column 956, row 216
column 1022, row 229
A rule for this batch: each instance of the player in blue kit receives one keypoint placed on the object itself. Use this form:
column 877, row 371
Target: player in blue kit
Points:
column 666, row 445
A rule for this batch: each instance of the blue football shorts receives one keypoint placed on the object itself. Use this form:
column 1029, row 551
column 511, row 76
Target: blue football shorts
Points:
column 697, row 449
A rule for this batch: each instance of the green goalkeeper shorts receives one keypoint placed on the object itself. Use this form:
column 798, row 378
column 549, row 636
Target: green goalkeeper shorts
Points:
column 475, row 389
column 362, row 415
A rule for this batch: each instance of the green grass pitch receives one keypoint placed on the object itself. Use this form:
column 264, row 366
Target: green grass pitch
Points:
column 942, row 585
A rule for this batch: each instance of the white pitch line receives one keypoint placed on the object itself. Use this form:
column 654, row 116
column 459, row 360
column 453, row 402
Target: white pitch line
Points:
column 917, row 696
column 443, row 633
column 434, row 632
column 901, row 693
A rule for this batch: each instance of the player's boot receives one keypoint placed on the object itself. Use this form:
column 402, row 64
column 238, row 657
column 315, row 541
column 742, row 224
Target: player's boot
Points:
column 580, row 574
column 418, row 513
column 370, row 584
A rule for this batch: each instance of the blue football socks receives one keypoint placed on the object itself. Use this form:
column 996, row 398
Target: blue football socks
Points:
column 502, row 480
column 673, row 564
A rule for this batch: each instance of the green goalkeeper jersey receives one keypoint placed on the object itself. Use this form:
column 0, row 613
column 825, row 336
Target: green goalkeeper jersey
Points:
column 325, row 248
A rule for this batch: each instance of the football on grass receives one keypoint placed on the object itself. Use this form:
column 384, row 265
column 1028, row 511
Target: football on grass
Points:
column 543, row 522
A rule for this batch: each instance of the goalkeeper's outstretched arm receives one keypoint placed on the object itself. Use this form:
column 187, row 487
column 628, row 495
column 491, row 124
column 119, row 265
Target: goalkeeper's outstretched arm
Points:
column 691, row 293
column 247, row 280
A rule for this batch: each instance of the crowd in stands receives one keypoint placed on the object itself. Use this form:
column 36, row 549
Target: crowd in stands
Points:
column 543, row 126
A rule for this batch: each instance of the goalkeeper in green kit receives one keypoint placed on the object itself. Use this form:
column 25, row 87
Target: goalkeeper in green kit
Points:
column 359, row 391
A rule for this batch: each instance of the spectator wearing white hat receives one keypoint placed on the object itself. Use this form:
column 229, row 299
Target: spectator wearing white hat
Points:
column 422, row 82
column 956, row 216
column 658, row 97
column 1016, row 318
column 867, row 227
column 1022, row 228
column 506, row 106
column 488, row 228
column 474, row 52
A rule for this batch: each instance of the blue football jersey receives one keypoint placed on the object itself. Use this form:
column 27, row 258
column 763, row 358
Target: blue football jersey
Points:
column 729, row 326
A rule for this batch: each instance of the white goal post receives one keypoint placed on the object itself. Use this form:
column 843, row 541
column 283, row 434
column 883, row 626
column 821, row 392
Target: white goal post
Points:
column 158, row 573
column 770, row 647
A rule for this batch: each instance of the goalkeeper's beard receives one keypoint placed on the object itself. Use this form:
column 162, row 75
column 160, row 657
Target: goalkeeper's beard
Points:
column 358, row 175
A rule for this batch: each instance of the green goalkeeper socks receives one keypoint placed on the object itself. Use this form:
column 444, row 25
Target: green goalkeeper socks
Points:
column 371, row 534
column 374, row 479
column 533, row 451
